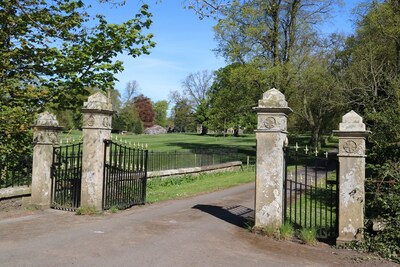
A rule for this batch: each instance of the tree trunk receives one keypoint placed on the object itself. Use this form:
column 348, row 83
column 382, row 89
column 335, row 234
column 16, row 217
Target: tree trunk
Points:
column 275, row 32
column 315, row 136
column 236, row 132
column 398, row 57
column 292, row 28
column 204, row 130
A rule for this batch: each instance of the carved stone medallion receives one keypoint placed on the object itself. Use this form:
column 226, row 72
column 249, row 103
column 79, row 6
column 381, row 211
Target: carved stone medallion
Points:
column 106, row 122
column 269, row 122
column 90, row 121
column 350, row 146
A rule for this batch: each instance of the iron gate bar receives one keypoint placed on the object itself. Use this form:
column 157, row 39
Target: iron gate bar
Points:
column 311, row 203
column 66, row 174
column 305, row 188
column 125, row 175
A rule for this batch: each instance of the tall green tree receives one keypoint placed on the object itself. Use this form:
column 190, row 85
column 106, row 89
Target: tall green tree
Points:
column 371, row 78
column 280, row 39
column 183, row 116
column 318, row 98
column 128, row 120
column 197, row 86
column 50, row 52
column 160, row 109
column 234, row 93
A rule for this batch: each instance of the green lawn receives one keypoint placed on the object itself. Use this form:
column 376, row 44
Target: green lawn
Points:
column 176, row 188
column 245, row 144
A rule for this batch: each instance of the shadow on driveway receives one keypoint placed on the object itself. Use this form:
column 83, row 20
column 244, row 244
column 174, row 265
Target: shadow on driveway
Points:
column 238, row 215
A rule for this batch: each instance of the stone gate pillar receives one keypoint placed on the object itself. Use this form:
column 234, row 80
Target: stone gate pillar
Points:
column 271, row 134
column 351, row 155
column 45, row 137
column 97, row 115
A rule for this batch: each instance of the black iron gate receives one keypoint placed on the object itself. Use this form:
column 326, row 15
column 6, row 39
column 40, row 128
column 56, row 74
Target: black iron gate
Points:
column 125, row 175
column 66, row 175
column 311, row 186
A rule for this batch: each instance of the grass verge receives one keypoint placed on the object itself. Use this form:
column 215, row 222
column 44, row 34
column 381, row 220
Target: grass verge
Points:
column 308, row 236
column 91, row 210
column 181, row 187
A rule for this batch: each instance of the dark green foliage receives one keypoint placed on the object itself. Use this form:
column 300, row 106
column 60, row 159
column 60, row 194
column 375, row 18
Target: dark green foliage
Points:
column 138, row 127
column 383, row 205
column 160, row 109
column 371, row 77
column 232, row 96
column 183, row 116
column 128, row 120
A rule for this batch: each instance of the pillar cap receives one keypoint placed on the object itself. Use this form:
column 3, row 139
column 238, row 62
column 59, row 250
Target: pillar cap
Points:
column 273, row 101
column 47, row 120
column 352, row 126
column 97, row 103
column 352, row 122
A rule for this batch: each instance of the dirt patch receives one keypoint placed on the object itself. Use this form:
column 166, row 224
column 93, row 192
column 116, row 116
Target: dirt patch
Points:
column 13, row 207
column 321, row 252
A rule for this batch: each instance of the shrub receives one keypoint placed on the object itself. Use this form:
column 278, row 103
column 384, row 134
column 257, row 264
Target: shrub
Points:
column 383, row 203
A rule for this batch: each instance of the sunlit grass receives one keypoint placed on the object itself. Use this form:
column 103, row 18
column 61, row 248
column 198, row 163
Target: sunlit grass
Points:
column 182, row 187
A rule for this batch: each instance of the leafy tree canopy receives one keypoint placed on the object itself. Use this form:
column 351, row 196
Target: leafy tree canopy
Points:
column 370, row 67
column 197, row 86
column 234, row 93
column 160, row 110
column 60, row 49
column 52, row 51
column 145, row 110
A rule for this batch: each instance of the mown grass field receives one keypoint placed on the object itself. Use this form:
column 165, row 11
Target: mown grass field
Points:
column 182, row 187
column 180, row 142
column 190, row 142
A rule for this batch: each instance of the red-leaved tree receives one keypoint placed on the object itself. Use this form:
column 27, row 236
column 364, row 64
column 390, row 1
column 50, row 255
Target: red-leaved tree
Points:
column 145, row 109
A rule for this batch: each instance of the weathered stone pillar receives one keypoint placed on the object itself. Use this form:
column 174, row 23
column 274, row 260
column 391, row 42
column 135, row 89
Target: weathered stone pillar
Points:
column 97, row 115
column 271, row 134
column 351, row 155
column 45, row 136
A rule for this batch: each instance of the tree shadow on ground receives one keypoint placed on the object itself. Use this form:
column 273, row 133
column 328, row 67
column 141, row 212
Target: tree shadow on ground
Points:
column 215, row 148
column 238, row 215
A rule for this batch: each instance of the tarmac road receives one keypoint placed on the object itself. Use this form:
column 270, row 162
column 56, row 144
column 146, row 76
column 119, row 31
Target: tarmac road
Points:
column 200, row 231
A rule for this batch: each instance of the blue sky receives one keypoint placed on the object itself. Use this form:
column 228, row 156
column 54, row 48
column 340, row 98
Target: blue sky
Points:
column 184, row 46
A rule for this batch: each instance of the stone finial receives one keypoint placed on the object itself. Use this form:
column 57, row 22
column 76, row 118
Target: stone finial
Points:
column 352, row 122
column 98, row 101
column 47, row 119
column 272, row 98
